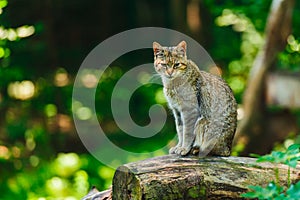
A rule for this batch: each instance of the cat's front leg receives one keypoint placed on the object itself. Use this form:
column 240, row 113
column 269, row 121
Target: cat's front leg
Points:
column 189, row 118
column 179, row 129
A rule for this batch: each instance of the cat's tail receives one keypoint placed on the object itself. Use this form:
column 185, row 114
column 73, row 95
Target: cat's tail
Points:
column 205, row 148
column 209, row 140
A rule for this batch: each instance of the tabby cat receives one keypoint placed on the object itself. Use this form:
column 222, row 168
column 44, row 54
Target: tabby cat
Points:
column 203, row 105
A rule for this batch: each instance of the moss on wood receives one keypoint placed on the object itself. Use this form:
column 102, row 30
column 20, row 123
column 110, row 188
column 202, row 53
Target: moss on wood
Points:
column 174, row 177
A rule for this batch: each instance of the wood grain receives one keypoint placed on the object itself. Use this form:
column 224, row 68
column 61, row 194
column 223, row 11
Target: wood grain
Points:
column 174, row 177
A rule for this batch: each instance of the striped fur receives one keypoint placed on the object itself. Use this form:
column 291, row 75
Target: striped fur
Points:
column 203, row 105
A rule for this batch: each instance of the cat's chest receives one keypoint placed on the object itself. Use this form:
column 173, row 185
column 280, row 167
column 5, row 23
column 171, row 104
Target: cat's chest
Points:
column 180, row 96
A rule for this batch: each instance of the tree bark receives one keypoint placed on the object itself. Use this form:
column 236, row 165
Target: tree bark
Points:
column 174, row 177
column 252, row 128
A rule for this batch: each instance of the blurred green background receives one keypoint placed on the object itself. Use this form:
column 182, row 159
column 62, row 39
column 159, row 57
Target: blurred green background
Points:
column 42, row 45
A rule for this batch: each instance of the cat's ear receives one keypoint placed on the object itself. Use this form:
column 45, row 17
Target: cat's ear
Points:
column 182, row 46
column 156, row 47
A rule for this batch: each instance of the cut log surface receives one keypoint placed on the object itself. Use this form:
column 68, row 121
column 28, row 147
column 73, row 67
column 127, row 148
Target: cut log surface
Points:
column 174, row 177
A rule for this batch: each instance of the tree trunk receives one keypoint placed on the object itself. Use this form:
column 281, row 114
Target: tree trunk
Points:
column 253, row 126
column 174, row 177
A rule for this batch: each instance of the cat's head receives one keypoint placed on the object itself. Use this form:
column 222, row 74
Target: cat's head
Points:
column 170, row 62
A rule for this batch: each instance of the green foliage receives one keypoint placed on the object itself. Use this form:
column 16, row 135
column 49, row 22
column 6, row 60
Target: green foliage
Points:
column 3, row 3
column 243, row 22
column 273, row 190
column 289, row 157
column 66, row 176
column 293, row 192
column 269, row 192
column 41, row 47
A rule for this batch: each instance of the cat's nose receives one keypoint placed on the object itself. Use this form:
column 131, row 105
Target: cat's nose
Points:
column 170, row 71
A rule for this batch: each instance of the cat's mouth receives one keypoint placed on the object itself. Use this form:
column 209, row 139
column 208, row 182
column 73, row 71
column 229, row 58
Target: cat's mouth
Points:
column 169, row 76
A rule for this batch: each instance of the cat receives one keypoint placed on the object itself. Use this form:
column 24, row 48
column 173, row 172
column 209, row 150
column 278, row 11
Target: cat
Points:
column 203, row 105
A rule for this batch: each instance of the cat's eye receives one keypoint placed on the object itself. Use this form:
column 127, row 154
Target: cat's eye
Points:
column 159, row 54
column 164, row 65
column 176, row 65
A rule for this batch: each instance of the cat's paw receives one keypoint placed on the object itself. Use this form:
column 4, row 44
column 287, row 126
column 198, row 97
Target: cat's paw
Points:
column 182, row 151
column 173, row 150
column 195, row 150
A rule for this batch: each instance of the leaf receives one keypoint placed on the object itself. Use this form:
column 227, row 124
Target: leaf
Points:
column 293, row 192
column 293, row 153
column 254, row 155
column 279, row 157
column 249, row 195
column 292, row 163
column 293, row 146
column 280, row 197
column 290, row 157
column 265, row 158
column 270, row 192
